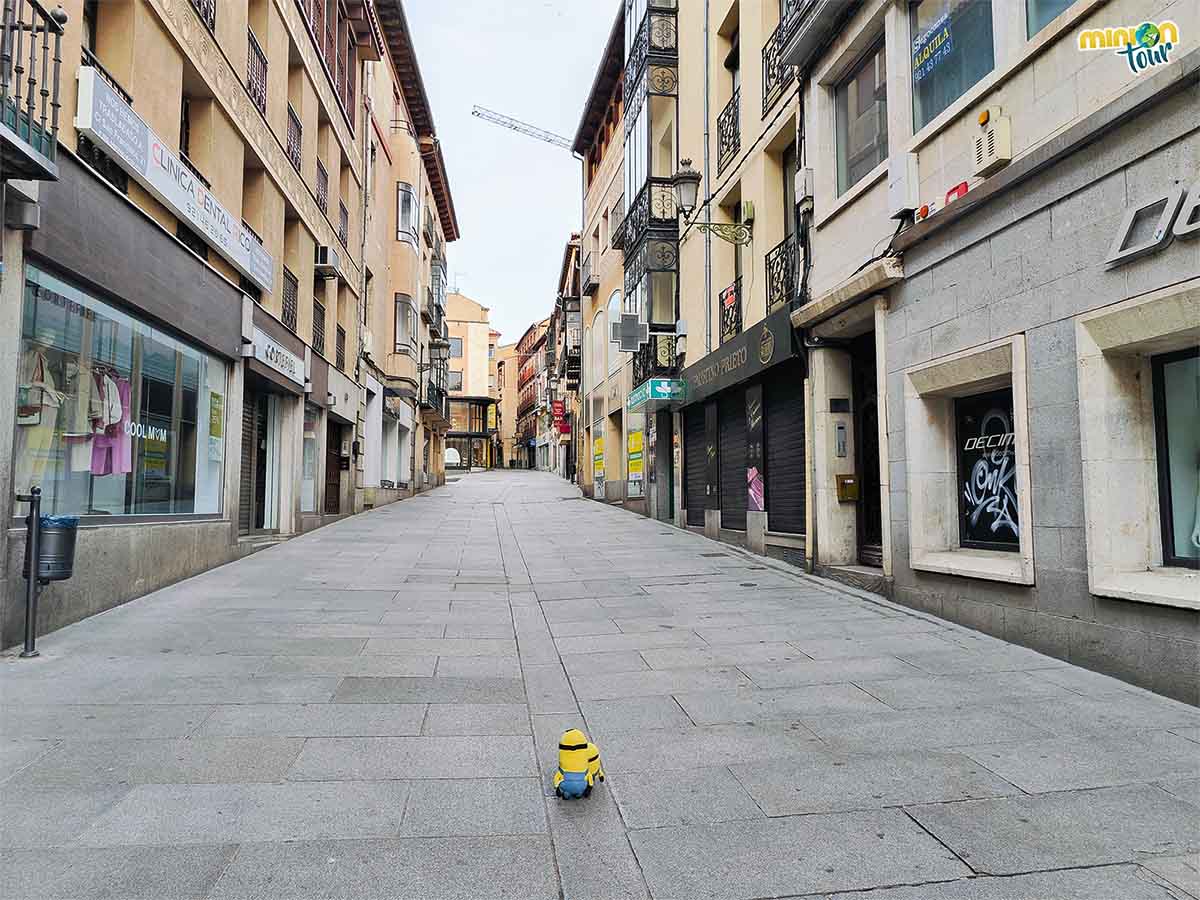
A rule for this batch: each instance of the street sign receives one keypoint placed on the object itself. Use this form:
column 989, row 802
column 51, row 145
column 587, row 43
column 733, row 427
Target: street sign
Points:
column 655, row 389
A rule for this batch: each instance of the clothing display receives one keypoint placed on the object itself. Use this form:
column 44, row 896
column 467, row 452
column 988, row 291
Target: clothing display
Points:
column 38, row 404
column 111, row 446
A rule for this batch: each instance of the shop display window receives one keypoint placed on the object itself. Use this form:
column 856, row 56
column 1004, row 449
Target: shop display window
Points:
column 308, row 479
column 987, row 472
column 1177, row 428
column 115, row 417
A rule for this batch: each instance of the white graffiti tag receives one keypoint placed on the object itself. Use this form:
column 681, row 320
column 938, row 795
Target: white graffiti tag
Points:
column 991, row 487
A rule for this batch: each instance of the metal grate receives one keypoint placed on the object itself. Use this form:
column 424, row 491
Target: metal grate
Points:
column 318, row 340
column 729, row 131
column 207, row 11
column 777, row 75
column 295, row 139
column 291, row 299
column 340, row 349
column 344, row 225
column 256, row 72
column 781, row 273
column 322, row 187
column 731, row 311
column 30, row 60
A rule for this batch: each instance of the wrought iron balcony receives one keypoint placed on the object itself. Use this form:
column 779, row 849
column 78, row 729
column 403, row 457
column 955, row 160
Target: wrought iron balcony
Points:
column 344, row 225
column 731, row 311
column 432, row 313
column 295, row 139
column 781, row 274
column 729, row 131
column 656, row 359
column 617, row 219
column 777, row 75
column 30, row 61
column 657, row 40
column 322, row 187
column 340, row 348
column 428, row 229
column 318, row 335
column 194, row 169
column 654, row 210
column 589, row 280
column 291, row 294
column 256, row 72
column 207, row 11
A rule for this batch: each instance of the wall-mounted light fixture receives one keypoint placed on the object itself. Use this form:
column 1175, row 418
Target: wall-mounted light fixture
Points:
column 687, row 190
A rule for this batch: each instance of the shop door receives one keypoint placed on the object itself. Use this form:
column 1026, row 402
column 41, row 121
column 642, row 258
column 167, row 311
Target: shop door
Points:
column 783, row 402
column 866, row 433
column 732, row 429
column 252, row 491
column 694, row 464
column 333, row 470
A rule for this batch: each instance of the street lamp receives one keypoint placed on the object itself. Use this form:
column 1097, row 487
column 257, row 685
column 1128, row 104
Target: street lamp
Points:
column 439, row 352
column 687, row 191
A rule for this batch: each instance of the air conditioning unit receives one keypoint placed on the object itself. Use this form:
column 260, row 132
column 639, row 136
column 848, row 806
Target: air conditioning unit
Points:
column 993, row 143
column 326, row 264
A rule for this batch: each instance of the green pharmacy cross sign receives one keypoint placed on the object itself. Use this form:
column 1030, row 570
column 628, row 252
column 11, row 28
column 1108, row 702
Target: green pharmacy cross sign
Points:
column 655, row 392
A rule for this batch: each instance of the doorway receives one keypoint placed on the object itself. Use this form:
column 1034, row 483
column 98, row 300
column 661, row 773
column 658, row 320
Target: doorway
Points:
column 866, row 432
column 333, row 469
column 259, row 490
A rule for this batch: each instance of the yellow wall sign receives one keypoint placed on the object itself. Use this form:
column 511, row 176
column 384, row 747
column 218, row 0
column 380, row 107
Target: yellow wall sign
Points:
column 598, row 457
column 637, row 464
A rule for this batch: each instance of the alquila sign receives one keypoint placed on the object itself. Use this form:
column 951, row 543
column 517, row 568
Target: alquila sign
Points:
column 111, row 124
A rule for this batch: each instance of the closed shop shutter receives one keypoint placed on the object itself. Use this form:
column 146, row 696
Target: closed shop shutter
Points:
column 732, row 411
column 783, row 401
column 249, row 454
column 693, row 464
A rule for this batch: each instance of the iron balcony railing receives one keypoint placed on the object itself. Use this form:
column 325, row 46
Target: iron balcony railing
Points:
column 776, row 74
column 30, row 64
column 428, row 229
column 729, row 131
column 657, row 40
column 653, row 208
column 344, row 225
column 291, row 296
column 731, row 311
column 256, row 72
column 295, row 139
column 781, row 274
column 318, row 336
column 194, row 169
column 340, row 348
column 589, row 281
column 207, row 11
column 618, row 224
column 656, row 359
column 322, row 187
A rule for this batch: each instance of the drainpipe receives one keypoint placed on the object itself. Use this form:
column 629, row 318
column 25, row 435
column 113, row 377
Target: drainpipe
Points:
column 707, row 188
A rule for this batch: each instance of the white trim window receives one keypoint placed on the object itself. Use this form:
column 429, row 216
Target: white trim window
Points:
column 860, row 100
column 408, row 213
column 406, row 325
column 953, row 48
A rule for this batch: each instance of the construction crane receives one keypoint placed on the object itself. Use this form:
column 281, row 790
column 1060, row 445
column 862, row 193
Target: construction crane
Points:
column 521, row 127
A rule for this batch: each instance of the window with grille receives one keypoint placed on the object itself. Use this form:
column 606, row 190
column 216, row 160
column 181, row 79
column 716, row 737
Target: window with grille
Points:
column 322, row 187
column 291, row 298
column 256, row 72
column 318, row 337
column 344, row 225
column 341, row 348
column 295, row 139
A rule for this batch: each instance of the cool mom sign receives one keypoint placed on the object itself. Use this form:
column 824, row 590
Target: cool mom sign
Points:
column 111, row 124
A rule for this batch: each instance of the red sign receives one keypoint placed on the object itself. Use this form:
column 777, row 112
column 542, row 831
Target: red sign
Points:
column 564, row 427
column 559, row 408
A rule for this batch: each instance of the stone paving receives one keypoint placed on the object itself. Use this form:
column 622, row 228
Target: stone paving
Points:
column 372, row 711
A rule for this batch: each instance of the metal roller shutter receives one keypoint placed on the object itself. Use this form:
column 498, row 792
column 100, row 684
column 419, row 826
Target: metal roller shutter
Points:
column 249, row 454
column 732, row 410
column 693, row 464
column 783, row 402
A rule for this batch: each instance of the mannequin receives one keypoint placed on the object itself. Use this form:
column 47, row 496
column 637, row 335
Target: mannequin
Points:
column 1196, row 527
column 37, row 411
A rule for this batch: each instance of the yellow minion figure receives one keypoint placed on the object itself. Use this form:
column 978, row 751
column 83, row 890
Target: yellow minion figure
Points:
column 578, row 765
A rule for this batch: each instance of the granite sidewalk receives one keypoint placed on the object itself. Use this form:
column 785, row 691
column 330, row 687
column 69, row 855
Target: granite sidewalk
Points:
column 372, row 711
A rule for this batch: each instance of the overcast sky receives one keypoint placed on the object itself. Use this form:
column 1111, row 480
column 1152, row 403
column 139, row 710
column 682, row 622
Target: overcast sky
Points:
column 518, row 199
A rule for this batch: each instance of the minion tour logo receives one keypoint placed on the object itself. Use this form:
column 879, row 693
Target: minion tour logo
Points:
column 1144, row 46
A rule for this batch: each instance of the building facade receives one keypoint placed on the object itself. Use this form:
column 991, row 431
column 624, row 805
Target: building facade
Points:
column 189, row 277
column 507, row 454
column 532, row 397
column 470, row 443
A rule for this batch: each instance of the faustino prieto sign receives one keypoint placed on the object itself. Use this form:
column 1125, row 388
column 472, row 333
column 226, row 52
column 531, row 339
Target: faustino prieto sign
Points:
column 111, row 124
column 759, row 347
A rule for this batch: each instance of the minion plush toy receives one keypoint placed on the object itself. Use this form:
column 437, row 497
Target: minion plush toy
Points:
column 579, row 766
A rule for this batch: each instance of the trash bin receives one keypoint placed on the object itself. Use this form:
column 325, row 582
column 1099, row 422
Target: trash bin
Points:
column 56, row 550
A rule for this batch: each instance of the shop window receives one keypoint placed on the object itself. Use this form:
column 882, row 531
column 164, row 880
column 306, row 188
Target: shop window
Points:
column 967, row 435
column 952, row 50
column 862, row 136
column 456, row 380
column 406, row 325
column 456, row 348
column 1040, row 13
column 1177, row 431
column 114, row 416
column 308, row 476
column 988, row 511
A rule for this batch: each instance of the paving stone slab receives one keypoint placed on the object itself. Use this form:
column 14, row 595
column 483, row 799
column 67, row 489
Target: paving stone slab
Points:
column 924, row 691
column 375, row 759
column 592, row 851
column 314, row 720
column 1079, row 828
column 887, row 645
column 920, row 728
column 240, row 813
column 412, row 664
column 1184, row 788
column 548, row 690
column 477, row 719
column 791, row 856
column 632, row 714
column 430, row 690
column 127, row 873
column 831, row 671
column 33, row 817
column 659, row 681
column 478, row 868
column 1065, row 764
column 721, row 655
column 1104, row 883
column 478, row 667
column 584, row 627
column 1102, row 716
column 756, row 705
column 607, row 643
column 961, row 661
column 695, row 797
column 476, row 806
column 823, row 782
column 195, row 761
column 720, row 745
column 602, row 663
column 443, row 646
column 480, row 630
column 101, row 721
column 1182, row 873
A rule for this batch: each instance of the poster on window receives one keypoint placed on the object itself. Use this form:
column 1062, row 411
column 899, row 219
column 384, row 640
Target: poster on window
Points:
column 931, row 47
column 637, row 463
column 987, row 479
column 755, row 486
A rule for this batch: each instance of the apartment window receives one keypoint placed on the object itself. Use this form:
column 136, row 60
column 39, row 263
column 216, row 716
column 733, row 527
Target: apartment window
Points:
column 256, row 72
column 185, row 126
column 952, row 50
column 295, row 139
column 1040, row 13
column 406, row 324
column 491, row 382
column 291, row 294
column 491, row 351
column 1176, row 378
column 318, row 334
column 344, row 225
column 861, row 102
column 987, row 475
column 322, row 187
column 456, row 381
column 407, row 213
column 456, row 348
column 340, row 348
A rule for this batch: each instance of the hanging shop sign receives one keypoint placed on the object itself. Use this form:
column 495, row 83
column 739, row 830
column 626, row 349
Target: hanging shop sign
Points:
column 655, row 392
column 110, row 123
column 275, row 356
column 759, row 347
